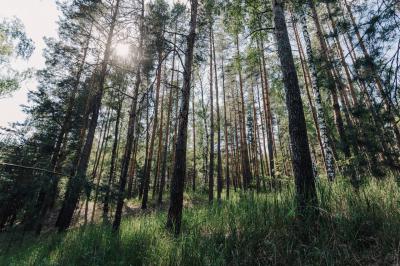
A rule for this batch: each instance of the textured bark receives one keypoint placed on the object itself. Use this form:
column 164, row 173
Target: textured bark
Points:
column 307, row 82
column 301, row 159
column 178, row 178
column 329, row 163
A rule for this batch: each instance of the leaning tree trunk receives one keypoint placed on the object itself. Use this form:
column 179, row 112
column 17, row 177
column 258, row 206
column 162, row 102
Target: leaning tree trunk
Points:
column 389, row 107
column 327, row 149
column 332, row 80
column 75, row 184
column 178, row 177
column 301, row 160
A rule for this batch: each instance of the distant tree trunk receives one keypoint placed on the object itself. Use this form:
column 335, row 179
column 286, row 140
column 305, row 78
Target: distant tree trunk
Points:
column 133, row 164
column 75, row 184
column 99, row 160
column 46, row 198
column 194, row 141
column 130, row 133
column 247, row 176
column 167, row 130
column 112, row 163
column 332, row 82
column 153, row 135
column 267, row 111
column 146, row 156
column 219, row 158
column 301, row 160
column 227, row 176
column 159, row 146
column 211, row 165
column 205, row 150
column 342, row 57
column 178, row 177
column 386, row 100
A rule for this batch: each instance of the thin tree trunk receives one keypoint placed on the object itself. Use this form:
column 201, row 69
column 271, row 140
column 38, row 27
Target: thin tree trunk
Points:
column 247, row 176
column 211, row 165
column 153, row 136
column 329, row 164
column 227, row 174
column 130, row 133
column 219, row 157
column 112, row 163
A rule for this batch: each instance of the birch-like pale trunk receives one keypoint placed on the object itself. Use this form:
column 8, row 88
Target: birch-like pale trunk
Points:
column 329, row 163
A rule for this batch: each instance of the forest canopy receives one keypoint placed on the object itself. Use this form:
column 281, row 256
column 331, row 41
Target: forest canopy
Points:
column 155, row 113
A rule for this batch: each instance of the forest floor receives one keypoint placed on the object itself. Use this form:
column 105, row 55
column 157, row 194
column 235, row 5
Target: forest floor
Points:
column 354, row 228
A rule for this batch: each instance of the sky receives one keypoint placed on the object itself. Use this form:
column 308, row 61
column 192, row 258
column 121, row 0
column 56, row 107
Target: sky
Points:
column 40, row 19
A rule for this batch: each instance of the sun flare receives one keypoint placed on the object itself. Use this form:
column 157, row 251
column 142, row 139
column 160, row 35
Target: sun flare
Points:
column 122, row 50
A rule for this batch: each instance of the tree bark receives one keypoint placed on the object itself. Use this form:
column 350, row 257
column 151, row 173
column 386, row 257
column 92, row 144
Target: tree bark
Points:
column 178, row 178
column 301, row 160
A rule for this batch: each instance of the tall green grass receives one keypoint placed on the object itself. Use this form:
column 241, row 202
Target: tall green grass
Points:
column 355, row 228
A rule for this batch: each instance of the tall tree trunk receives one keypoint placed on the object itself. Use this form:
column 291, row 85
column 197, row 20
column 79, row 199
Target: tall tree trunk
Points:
column 167, row 130
column 332, row 81
column 227, row 175
column 178, row 177
column 75, row 184
column 211, row 165
column 194, row 141
column 301, row 160
column 153, row 135
column 247, row 176
column 329, row 163
column 130, row 133
column 46, row 197
column 219, row 157
column 307, row 81
column 267, row 111
column 112, row 163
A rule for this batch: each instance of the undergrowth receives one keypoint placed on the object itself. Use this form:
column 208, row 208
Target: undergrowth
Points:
column 354, row 228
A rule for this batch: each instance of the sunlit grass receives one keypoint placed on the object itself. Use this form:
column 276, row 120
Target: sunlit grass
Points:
column 250, row 229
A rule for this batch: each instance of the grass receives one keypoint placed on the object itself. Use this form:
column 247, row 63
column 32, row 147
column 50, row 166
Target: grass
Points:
column 354, row 229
